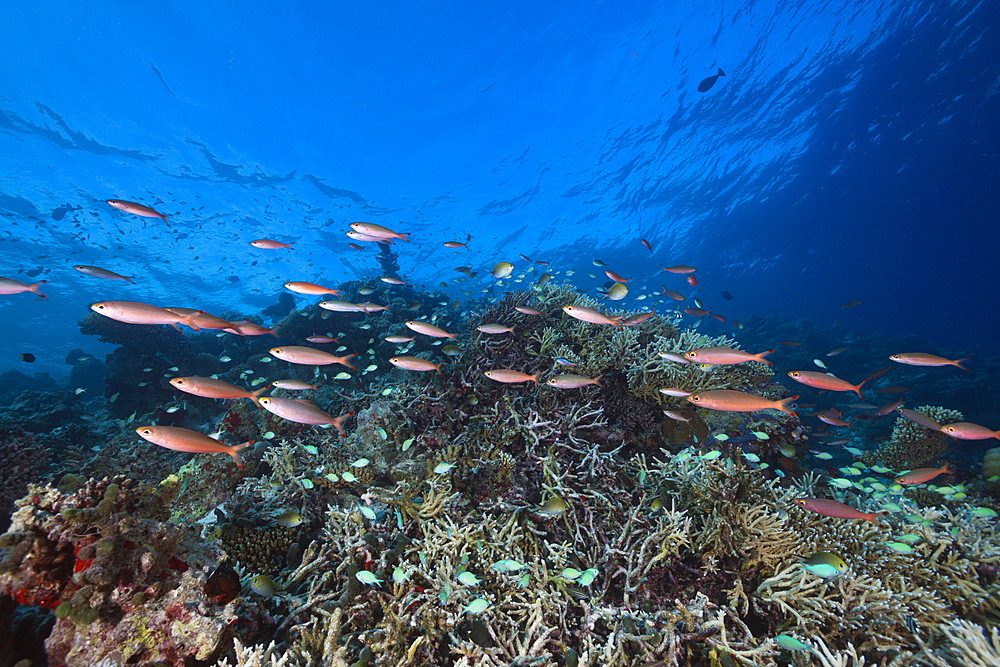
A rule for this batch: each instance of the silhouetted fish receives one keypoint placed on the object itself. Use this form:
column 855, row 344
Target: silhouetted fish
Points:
column 706, row 84
column 727, row 296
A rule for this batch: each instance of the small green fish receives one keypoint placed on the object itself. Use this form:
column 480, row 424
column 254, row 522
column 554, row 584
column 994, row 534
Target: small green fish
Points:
column 382, row 434
column 466, row 578
column 710, row 456
column 825, row 564
column 341, row 348
column 892, row 507
column 554, row 506
column 348, row 477
column 387, row 391
column 791, row 643
column 225, row 360
column 984, row 512
column 477, row 606
column 442, row 468
column 344, row 375
column 368, row 512
column 854, row 451
column 824, row 456
column 881, row 469
column 366, row 577
column 269, row 435
column 445, row 592
column 370, row 368
column 751, row 457
column 310, row 449
column 360, row 463
column 787, row 450
column 900, row 547
column 114, row 397
column 761, row 435
column 841, row 483
column 80, row 390
column 910, row 538
column 722, row 437
column 306, row 483
column 524, row 580
column 399, row 575
column 570, row 573
column 407, row 443
column 587, row 576
column 507, row 565
column 266, row 360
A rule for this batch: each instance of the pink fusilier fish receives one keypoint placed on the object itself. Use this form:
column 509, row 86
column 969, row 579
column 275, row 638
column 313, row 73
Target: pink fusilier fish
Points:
column 296, row 410
column 389, row 280
column 592, row 316
column 300, row 287
column 133, row 312
column 510, row 377
column 204, row 320
column 248, row 328
column 416, row 364
column 428, row 329
column 212, row 388
column 368, row 307
column 309, row 356
column 104, row 274
column 824, row 381
column 322, row 339
column 495, row 329
column 527, row 310
column 11, row 286
column 398, row 340
column 675, row 391
column 919, row 418
column 837, row 510
column 186, row 440
column 638, row 318
column 722, row 356
column 365, row 238
column 268, row 244
column 891, row 406
column 292, row 385
column 921, row 475
column 676, row 416
column 377, row 231
column 968, row 431
column 680, row 268
column 729, row 400
column 921, row 359
column 136, row 209
column 569, row 381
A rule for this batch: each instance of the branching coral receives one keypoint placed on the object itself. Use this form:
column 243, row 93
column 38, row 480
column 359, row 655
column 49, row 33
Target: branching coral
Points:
column 912, row 445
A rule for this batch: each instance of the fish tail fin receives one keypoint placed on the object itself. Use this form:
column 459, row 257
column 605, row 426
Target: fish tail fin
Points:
column 721, row 73
column 874, row 518
column 857, row 389
column 958, row 363
column 785, row 405
column 597, row 380
column 235, row 452
column 617, row 321
column 948, row 468
column 534, row 378
column 760, row 357
column 164, row 218
column 255, row 396
column 33, row 287
column 188, row 320
column 438, row 369
column 403, row 236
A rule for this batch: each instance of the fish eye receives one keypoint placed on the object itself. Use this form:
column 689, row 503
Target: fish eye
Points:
column 145, row 431
column 695, row 398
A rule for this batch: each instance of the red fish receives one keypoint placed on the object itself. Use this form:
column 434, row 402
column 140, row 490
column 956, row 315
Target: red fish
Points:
column 11, row 286
column 824, row 381
column 311, row 288
column 508, row 376
column 136, row 209
column 967, row 431
column 680, row 268
column 921, row 359
column 212, row 388
column 676, row 296
column 728, row 400
column 921, row 475
column 721, row 356
column 836, row 510
column 185, row 440
column 614, row 276
column 693, row 282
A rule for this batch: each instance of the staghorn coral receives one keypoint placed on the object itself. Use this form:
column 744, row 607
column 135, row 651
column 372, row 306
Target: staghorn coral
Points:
column 912, row 445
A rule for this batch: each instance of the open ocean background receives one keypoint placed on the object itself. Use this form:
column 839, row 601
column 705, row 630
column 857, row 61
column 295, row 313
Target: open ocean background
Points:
column 850, row 153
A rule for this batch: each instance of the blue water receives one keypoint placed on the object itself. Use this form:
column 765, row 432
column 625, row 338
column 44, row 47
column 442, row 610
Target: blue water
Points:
column 850, row 153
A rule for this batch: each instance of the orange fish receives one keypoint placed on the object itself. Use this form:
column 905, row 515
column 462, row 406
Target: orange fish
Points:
column 136, row 209
column 824, row 381
column 676, row 296
column 729, row 400
column 967, row 431
column 592, row 316
column 212, row 388
column 295, row 410
column 836, row 510
column 185, row 440
column 614, row 276
column 416, row 364
column 11, row 286
column 134, row 312
column 921, row 475
column 311, row 288
column 203, row 320
column 921, row 359
column 721, row 356
column 638, row 318
column 377, row 231
column 508, row 376
column 429, row 329
column 268, row 244
column 248, row 328
column 309, row 356
column 680, row 268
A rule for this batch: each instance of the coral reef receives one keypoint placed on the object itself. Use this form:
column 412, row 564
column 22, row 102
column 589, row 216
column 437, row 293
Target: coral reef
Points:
column 912, row 445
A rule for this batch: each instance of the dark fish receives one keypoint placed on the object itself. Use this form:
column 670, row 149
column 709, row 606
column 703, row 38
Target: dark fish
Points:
column 727, row 296
column 31, row 273
column 27, row 357
column 706, row 84
column 850, row 304
column 646, row 245
column 223, row 586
